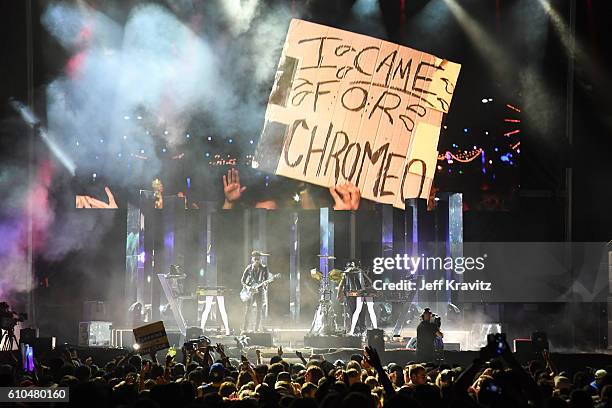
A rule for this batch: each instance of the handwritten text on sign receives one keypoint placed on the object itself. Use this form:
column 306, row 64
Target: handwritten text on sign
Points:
column 347, row 107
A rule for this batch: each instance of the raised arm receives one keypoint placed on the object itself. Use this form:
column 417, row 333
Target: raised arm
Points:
column 371, row 356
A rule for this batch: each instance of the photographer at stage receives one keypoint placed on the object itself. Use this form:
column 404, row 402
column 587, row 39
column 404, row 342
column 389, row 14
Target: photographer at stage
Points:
column 428, row 332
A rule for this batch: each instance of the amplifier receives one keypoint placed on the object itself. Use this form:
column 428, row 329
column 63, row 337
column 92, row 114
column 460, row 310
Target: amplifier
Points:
column 94, row 310
column 95, row 334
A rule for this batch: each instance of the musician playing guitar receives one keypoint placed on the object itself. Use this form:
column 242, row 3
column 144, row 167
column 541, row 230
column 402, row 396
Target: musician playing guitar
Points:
column 254, row 285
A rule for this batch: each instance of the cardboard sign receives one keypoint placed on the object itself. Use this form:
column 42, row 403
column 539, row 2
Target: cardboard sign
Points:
column 347, row 107
column 151, row 338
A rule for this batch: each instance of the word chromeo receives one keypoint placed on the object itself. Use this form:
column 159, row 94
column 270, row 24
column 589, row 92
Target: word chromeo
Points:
column 348, row 158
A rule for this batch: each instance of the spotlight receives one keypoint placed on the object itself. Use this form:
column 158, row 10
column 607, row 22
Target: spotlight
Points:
column 136, row 346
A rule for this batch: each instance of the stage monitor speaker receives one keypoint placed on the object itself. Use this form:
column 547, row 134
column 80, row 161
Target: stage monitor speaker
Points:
column 539, row 341
column 332, row 342
column 452, row 346
column 376, row 339
column 259, row 339
column 193, row 333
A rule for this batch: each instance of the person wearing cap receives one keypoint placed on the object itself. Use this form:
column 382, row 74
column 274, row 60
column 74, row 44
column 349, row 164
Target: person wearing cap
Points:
column 427, row 331
column 595, row 386
column 254, row 274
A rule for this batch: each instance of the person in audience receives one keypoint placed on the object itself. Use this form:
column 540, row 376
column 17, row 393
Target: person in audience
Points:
column 206, row 377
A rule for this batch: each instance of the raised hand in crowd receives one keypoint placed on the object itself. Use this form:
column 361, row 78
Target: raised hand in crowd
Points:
column 299, row 354
column 370, row 355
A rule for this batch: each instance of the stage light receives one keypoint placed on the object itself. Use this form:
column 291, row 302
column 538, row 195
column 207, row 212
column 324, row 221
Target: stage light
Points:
column 251, row 141
column 465, row 130
column 230, row 141
column 164, row 150
column 165, row 132
column 187, row 135
column 77, row 143
column 296, row 197
column 209, row 138
column 136, row 346
column 142, row 151
column 94, row 175
column 32, row 121
column 207, row 154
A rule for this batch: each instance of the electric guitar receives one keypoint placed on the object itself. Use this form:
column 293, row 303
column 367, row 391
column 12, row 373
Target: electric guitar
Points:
column 247, row 292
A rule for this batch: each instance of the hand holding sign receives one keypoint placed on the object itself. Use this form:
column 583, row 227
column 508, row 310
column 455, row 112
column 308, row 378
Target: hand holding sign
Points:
column 346, row 196
column 346, row 108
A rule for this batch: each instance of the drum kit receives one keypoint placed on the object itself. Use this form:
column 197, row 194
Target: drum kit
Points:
column 324, row 321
